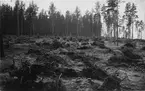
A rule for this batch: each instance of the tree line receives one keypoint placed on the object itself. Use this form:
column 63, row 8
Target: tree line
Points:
column 20, row 20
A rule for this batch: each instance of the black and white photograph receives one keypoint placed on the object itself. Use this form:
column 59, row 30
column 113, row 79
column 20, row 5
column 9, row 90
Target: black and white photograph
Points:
column 72, row 45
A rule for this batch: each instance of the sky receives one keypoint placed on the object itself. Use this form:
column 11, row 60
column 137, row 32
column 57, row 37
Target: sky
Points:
column 63, row 5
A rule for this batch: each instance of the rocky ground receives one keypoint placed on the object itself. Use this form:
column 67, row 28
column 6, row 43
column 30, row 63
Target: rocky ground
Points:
column 72, row 64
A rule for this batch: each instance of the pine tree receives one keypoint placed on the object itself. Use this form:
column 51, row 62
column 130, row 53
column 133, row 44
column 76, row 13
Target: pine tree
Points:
column 30, row 15
column 77, row 14
column 52, row 11
column 97, row 20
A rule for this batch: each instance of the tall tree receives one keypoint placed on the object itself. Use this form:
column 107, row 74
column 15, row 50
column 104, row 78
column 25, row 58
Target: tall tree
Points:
column 30, row 15
column 43, row 14
column 97, row 20
column 142, row 27
column 1, row 45
column 52, row 11
column 113, row 11
column 1, row 36
column 67, row 20
column 91, row 22
column 86, row 24
column 130, row 16
column 21, row 18
column 107, row 19
column 77, row 14
column 16, row 10
column 133, row 15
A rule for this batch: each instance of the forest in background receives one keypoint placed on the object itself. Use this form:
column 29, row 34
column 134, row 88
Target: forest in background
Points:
column 49, row 51
column 19, row 20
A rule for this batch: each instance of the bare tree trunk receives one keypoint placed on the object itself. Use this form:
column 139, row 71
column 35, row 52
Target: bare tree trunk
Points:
column 77, row 29
column 91, row 26
column 66, row 32
column 132, row 30
column 141, row 34
column 117, row 25
column 110, row 32
column 114, row 32
column 1, row 40
column 117, row 35
column 22, row 25
column 129, row 31
column 18, row 24
column 117, row 31
column 1, row 46
column 53, row 27
column 33, row 33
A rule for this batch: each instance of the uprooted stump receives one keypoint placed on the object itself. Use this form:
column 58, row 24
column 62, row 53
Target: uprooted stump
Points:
column 94, row 73
column 130, row 53
column 28, row 72
column 111, row 83
column 56, row 44
column 116, row 60
column 122, row 61
column 129, row 44
column 55, row 85
column 50, row 58
column 99, row 44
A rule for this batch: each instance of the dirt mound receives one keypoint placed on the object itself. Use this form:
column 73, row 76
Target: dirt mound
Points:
column 94, row 73
column 34, row 51
column 99, row 44
column 66, row 72
column 56, row 44
column 125, row 58
column 111, row 83
column 143, row 48
column 132, row 45
column 22, row 39
column 84, row 47
column 128, row 52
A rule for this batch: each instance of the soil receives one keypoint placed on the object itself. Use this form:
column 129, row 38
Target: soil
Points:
column 63, row 64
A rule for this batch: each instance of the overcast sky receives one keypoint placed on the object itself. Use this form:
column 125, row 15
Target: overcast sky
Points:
column 63, row 5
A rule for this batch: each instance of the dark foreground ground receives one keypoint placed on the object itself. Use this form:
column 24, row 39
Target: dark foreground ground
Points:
column 72, row 64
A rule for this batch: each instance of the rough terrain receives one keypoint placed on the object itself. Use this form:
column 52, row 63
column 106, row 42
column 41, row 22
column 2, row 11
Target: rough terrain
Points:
column 72, row 64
